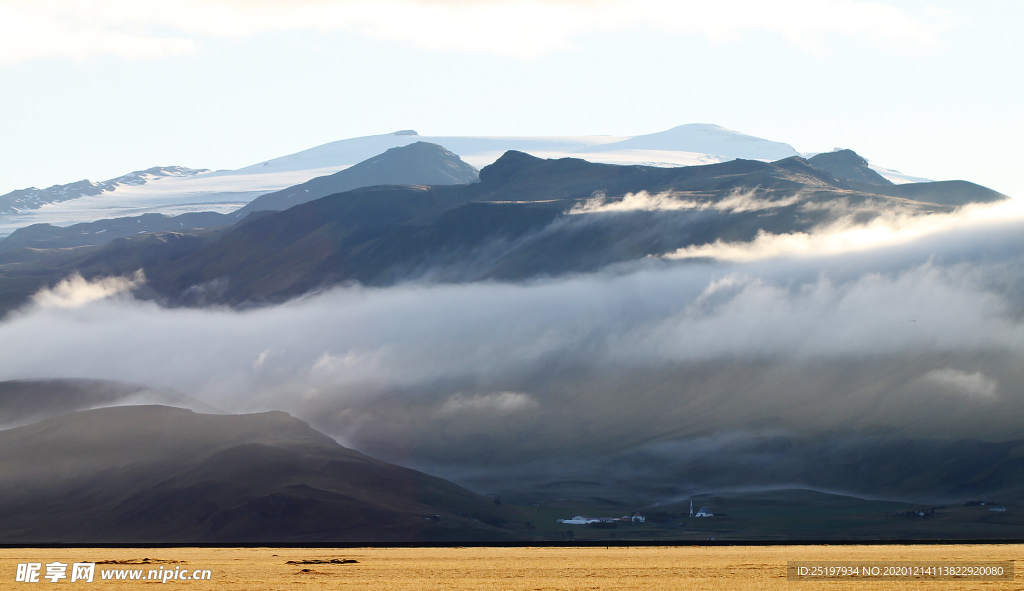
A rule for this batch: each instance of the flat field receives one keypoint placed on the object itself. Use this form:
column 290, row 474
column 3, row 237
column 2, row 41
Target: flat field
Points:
column 529, row 569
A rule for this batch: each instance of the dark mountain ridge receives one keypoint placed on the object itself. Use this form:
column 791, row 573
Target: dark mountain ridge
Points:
column 47, row 236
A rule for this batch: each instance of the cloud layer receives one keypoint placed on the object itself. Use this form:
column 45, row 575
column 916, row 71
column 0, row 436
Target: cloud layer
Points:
column 699, row 372
column 846, row 234
column 518, row 28
column 921, row 336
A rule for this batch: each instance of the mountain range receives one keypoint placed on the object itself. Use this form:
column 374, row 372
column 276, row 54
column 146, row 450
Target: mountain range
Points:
column 526, row 217
column 90, row 461
column 419, row 163
column 694, row 143
column 224, row 191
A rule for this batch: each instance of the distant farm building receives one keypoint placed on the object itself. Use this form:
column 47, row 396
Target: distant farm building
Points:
column 578, row 520
column 584, row 520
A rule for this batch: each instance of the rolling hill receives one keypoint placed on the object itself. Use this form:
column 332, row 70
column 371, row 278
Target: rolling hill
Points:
column 146, row 474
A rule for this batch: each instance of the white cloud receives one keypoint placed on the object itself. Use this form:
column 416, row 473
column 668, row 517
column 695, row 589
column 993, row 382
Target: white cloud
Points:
column 261, row 359
column 31, row 30
column 738, row 202
column 519, row 28
column 75, row 291
column 498, row 403
column 846, row 235
column 973, row 385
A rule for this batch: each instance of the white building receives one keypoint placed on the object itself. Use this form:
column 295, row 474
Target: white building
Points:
column 704, row 512
column 583, row 520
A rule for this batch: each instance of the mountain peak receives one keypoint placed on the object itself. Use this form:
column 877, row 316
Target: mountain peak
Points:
column 418, row 163
column 704, row 138
column 848, row 165
column 511, row 162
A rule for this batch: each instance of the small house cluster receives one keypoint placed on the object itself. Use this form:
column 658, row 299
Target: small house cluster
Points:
column 992, row 506
column 582, row 520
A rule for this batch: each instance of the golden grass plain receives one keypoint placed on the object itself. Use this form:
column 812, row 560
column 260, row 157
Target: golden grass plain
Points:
column 527, row 569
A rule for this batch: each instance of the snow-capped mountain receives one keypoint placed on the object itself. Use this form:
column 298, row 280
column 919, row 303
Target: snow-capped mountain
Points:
column 700, row 138
column 680, row 146
column 34, row 198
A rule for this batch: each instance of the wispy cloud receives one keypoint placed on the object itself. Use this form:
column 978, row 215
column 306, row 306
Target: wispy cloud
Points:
column 518, row 28
column 737, row 202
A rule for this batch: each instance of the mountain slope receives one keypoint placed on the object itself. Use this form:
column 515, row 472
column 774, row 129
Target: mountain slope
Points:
column 952, row 193
column 26, row 271
column 160, row 474
column 419, row 163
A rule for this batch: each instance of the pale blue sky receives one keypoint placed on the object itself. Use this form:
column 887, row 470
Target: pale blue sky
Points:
column 928, row 88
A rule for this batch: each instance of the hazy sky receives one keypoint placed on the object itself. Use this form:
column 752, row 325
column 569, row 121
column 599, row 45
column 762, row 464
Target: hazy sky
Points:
column 97, row 89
